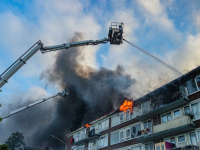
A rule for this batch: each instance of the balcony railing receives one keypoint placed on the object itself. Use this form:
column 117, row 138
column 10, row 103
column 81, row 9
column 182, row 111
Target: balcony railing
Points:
column 163, row 104
column 179, row 125
column 179, row 121
column 93, row 134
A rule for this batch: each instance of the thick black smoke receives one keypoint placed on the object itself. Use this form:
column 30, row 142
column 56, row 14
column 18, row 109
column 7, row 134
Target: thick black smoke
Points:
column 93, row 93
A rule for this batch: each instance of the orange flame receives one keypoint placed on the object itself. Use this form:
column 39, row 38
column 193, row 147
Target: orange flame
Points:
column 87, row 125
column 126, row 105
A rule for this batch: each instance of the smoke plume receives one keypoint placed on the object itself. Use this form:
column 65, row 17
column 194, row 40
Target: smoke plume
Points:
column 93, row 93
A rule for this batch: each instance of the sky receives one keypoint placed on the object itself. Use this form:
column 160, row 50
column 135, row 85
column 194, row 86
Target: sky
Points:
column 168, row 29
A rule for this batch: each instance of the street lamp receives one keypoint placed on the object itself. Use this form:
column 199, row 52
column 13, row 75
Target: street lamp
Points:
column 59, row 140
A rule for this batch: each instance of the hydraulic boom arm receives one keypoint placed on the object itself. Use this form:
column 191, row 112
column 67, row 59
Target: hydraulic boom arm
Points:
column 114, row 37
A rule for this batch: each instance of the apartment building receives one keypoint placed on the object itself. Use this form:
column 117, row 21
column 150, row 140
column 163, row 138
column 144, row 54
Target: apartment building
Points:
column 169, row 114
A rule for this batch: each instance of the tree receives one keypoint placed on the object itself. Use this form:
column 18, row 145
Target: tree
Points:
column 4, row 147
column 15, row 141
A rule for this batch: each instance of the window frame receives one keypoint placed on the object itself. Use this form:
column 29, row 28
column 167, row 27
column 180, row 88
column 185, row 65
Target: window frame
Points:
column 148, row 145
column 184, row 137
column 129, row 128
column 123, row 135
column 147, row 126
column 178, row 115
column 102, row 137
column 195, row 84
column 195, row 132
column 165, row 114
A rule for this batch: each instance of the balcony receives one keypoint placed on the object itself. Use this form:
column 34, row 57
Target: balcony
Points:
column 91, row 136
column 179, row 125
column 159, row 106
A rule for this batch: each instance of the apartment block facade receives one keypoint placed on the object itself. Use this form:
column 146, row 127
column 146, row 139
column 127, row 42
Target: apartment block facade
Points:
column 169, row 114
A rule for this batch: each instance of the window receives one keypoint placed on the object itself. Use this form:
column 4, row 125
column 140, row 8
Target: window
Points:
column 191, row 86
column 148, row 125
column 127, row 114
column 181, row 138
column 149, row 146
column 146, row 106
column 198, row 82
column 92, row 145
column 166, row 118
column 193, row 138
column 103, row 141
column 121, row 116
column 177, row 113
column 195, row 110
column 114, row 120
column 198, row 134
column 121, row 136
column 128, row 134
column 136, row 148
column 187, row 110
column 114, row 138
column 136, row 131
column 103, row 125
column 171, row 140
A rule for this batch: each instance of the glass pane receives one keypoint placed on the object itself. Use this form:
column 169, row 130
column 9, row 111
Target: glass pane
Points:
column 128, row 114
column 149, row 126
column 195, row 110
column 121, row 117
column 158, row 147
column 138, row 128
column 106, row 141
column 128, row 134
column 172, row 140
column 177, row 113
column 136, row 148
column 198, row 81
column 114, row 138
column 103, row 125
column 181, row 138
column 121, row 136
column 169, row 117
column 191, row 86
column 114, row 120
column 151, row 146
column 193, row 138
column 107, row 123
column 162, row 147
column 167, row 140
column 187, row 110
column 164, row 119
column 145, row 125
column 198, row 133
column 146, row 146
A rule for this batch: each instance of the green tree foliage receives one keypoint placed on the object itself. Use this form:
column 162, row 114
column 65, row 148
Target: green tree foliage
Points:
column 4, row 147
column 15, row 141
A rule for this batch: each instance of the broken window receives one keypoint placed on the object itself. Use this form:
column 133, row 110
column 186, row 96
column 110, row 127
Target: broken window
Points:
column 136, row 131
